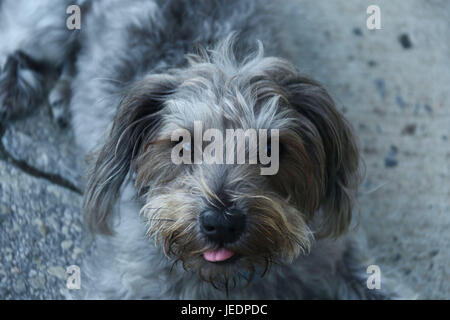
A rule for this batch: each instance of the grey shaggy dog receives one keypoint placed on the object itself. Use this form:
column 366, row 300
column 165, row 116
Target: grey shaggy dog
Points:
column 138, row 70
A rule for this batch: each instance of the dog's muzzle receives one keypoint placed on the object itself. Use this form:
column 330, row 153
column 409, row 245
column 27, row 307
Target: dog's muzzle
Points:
column 221, row 228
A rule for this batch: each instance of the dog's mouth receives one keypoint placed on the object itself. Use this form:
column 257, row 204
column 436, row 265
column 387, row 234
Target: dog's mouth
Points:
column 221, row 255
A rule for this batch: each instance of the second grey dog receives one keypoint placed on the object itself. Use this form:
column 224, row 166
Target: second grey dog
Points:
column 130, row 85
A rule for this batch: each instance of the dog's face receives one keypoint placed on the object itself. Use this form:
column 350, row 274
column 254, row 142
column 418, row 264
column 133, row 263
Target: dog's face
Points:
column 224, row 221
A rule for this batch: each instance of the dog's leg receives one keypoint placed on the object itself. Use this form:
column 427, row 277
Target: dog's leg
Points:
column 59, row 96
column 35, row 44
column 21, row 85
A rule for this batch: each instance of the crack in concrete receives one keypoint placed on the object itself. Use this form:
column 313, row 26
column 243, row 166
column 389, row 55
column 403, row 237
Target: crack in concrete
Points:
column 25, row 167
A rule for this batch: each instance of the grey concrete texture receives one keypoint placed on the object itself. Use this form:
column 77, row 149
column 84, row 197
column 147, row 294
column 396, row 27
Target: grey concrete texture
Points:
column 41, row 231
column 393, row 86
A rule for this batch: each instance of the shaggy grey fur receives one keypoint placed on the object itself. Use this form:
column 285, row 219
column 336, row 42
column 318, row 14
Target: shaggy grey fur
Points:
column 131, row 56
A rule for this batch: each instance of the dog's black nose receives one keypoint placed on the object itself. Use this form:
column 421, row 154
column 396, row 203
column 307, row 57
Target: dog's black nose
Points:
column 222, row 227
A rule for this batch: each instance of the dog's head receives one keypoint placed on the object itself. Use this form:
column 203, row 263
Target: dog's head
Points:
column 222, row 219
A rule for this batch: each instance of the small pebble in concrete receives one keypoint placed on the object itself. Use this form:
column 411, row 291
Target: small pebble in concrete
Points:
column 370, row 150
column 372, row 63
column 409, row 129
column 3, row 292
column 434, row 253
column 405, row 41
column 381, row 87
column 400, row 102
column 390, row 161
column 38, row 282
column 42, row 228
column 3, row 217
column 19, row 286
column 15, row 270
column 76, row 252
column 379, row 111
column 357, row 32
column 5, row 210
column 67, row 244
column 58, row 272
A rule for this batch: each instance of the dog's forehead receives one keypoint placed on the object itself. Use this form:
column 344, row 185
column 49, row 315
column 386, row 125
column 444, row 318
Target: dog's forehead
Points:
column 236, row 107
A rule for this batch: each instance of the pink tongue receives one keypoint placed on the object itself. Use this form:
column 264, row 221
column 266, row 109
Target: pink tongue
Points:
column 217, row 255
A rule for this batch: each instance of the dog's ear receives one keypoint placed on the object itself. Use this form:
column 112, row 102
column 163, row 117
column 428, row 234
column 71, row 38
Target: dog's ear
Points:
column 136, row 121
column 331, row 143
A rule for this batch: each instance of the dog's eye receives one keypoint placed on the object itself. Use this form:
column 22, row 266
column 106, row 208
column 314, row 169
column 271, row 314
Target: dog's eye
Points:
column 187, row 146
